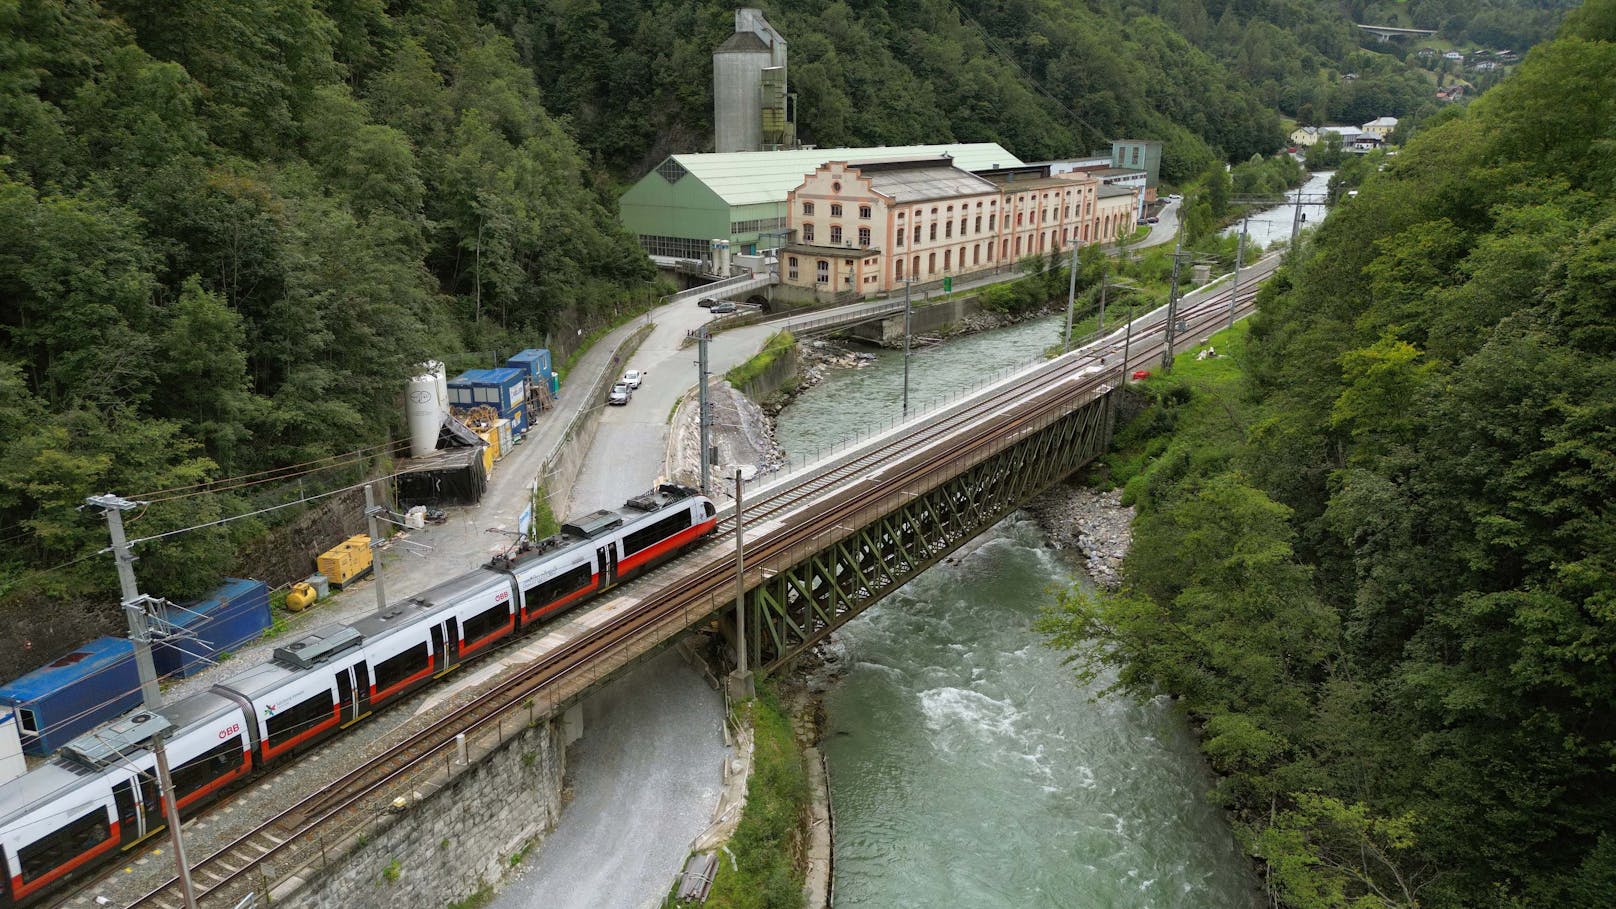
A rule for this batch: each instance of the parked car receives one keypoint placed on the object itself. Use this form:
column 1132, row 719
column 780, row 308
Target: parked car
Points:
column 620, row 394
column 723, row 306
column 633, row 378
column 706, row 302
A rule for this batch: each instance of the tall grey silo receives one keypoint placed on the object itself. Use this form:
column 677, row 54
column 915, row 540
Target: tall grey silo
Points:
column 751, row 108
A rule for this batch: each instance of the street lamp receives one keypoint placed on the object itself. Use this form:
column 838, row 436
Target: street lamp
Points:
column 906, row 313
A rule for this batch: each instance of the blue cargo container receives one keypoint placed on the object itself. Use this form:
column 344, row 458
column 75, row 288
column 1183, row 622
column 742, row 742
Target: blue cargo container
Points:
column 505, row 390
column 536, row 360
column 235, row 614
column 74, row 694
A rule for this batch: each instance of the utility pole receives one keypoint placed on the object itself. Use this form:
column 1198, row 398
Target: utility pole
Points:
column 1071, row 299
column 703, row 409
column 1105, row 282
column 1239, row 256
column 372, row 510
column 1296, row 219
column 1172, row 305
column 741, row 683
column 906, row 314
column 134, row 607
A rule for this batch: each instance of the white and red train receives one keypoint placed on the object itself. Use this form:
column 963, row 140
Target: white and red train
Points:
column 98, row 797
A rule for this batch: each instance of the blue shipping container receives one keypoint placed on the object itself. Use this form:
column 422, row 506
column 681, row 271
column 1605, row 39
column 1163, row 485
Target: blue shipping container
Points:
column 502, row 389
column 235, row 614
column 74, row 694
column 536, row 360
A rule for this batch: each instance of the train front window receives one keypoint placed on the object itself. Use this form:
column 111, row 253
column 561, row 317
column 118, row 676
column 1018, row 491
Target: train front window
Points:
column 62, row 845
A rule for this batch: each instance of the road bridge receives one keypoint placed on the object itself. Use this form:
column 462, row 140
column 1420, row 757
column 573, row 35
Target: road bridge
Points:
column 821, row 545
column 1386, row 32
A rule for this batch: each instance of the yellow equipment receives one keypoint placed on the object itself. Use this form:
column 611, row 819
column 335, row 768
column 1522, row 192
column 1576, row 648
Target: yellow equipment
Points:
column 301, row 596
column 347, row 561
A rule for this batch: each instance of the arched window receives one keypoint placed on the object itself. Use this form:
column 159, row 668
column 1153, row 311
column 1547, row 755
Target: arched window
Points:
column 899, row 241
column 898, row 266
column 931, row 264
column 864, row 212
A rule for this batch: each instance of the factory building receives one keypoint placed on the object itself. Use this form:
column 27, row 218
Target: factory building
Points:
column 867, row 227
column 688, row 201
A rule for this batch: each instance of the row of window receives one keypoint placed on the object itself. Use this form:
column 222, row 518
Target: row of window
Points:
column 835, row 235
column 757, row 224
column 836, row 210
column 674, row 247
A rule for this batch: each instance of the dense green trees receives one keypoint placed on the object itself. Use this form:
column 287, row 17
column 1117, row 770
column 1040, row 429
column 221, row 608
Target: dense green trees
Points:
column 1404, row 655
column 228, row 230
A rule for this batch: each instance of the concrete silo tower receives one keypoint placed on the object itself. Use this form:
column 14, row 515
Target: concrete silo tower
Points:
column 752, row 110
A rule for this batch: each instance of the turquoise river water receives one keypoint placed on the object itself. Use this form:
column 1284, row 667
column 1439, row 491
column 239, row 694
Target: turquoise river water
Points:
column 967, row 766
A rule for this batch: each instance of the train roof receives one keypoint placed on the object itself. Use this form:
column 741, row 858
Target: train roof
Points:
column 259, row 680
column 28, row 792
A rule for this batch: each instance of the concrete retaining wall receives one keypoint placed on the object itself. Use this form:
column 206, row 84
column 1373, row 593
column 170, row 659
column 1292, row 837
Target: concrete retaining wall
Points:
column 781, row 372
column 925, row 318
column 457, row 840
column 560, row 472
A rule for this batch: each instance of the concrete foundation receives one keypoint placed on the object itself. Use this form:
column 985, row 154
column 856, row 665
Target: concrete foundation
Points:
column 924, row 317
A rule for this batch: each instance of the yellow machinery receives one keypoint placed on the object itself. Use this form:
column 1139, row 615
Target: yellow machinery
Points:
column 300, row 597
column 347, row 561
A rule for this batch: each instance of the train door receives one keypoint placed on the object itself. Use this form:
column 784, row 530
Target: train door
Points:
column 446, row 645
column 353, row 693
column 606, row 558
column 139, row 814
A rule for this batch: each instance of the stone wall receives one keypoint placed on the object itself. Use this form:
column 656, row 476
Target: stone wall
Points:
column 457, row 840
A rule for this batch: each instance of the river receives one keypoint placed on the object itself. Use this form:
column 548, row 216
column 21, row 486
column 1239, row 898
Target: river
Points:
column 1273, row 224
column 967, row 767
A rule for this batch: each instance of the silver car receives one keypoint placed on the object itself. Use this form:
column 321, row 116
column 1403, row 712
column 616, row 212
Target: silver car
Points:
column 620, row 394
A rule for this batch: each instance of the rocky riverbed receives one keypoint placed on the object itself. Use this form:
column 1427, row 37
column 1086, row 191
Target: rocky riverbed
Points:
column 1093, row 522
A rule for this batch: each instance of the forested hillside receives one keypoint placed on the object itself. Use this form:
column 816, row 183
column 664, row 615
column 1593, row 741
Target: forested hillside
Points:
column 228, row 229
column 1380, row 573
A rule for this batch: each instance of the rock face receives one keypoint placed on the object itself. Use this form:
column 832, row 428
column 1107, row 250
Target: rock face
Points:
column 1093, row 522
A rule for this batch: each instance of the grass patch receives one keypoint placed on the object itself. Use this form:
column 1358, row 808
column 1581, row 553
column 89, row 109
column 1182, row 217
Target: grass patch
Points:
column 1201, row 401
column 544, row 520
column 768, row 843
column 479, row 898
column 778, row 345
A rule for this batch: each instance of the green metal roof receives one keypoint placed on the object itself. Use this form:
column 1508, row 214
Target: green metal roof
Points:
column 748, row 178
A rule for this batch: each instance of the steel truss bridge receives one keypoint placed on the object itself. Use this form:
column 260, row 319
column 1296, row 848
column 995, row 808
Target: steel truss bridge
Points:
column 821, row 545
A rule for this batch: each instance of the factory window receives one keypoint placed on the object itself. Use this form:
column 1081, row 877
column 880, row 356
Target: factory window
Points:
column 822, row 272
column 990, row 250
column 963, row 223
column 979, row 204
column 934, row 230
column 1018, row 247
column 1066, row 211
column 671, row 170
column 835, row 234
column 898, row 265
column 900, row 216
column 864, row 236
column 1020, row 217
column 931, row 264
column 948, row 229
column 948, row 259
column 807, row 233
column 1066, row 235
column 917, row 213
column 991, row 222
column 864, row 212
column 900, row 237
column 976, row 254
column 914, row 269
column 674, row 247
column 757, row 224
column 993, row 203
column 807, row 208
column 835, row 210
column 791, row 262
column 934, row 211
column 979, row 222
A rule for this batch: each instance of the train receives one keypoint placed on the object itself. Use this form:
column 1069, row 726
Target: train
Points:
column 97, row 797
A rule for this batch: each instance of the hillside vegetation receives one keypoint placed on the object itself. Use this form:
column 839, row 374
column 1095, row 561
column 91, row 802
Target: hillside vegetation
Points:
column 1380, row 570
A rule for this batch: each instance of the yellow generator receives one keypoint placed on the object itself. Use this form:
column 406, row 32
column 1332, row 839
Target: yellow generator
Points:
column 347, row 561
column 300, row 597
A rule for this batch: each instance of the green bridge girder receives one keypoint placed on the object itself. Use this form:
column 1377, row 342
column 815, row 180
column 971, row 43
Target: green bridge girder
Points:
column 795, row 601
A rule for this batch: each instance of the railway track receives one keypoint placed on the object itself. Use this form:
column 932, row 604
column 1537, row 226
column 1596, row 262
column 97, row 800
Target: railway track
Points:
column 688, row 599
